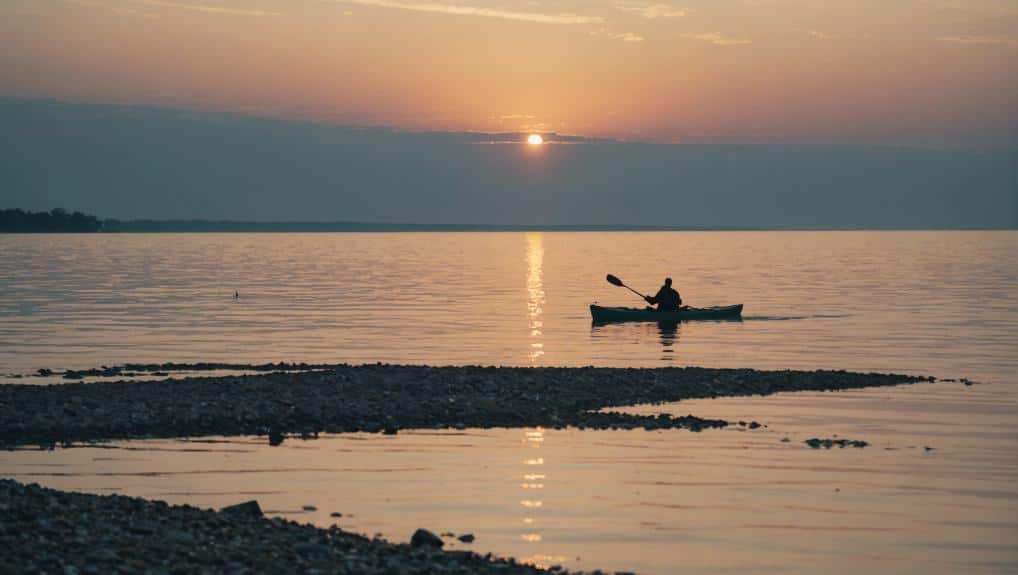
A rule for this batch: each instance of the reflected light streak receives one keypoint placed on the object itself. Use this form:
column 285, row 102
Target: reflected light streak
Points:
column 535, row 293
column 534, row 438
column 545, row 561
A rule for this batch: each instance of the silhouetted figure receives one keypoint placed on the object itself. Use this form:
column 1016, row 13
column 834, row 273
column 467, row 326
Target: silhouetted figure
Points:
column 236, row 295
column 667, row 299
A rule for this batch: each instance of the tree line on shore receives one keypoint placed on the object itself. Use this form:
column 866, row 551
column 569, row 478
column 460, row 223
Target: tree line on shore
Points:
column 60, row 220
column 56, row 220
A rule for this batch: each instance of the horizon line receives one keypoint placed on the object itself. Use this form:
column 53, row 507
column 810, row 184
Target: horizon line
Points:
column 148, row 225
column 572, row 138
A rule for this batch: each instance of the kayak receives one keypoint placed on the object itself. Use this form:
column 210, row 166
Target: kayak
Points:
column 606, row 314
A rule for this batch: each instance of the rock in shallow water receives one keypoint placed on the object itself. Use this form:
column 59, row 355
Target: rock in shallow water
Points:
column 425, row 538
column 245, row 509
column 817, row 443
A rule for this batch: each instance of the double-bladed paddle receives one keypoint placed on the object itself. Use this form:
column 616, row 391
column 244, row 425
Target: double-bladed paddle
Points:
column 617, row 282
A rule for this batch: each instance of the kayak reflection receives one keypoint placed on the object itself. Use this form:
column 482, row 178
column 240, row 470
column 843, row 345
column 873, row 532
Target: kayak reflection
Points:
column 666, row 333
column 669, row 336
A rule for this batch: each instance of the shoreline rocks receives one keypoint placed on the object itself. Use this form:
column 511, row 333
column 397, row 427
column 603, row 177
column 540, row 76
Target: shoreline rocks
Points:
column 387, row 398
column 49, row 531
column 817, row 443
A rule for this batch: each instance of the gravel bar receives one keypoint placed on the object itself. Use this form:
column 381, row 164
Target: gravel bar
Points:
column 48, row 531
column 386, row 398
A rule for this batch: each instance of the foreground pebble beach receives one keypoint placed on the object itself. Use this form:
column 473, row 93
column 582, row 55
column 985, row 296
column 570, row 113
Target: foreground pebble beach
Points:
column 49, row 531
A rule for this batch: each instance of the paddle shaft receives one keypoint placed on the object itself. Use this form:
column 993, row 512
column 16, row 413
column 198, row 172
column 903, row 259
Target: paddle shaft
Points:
column 634, row 291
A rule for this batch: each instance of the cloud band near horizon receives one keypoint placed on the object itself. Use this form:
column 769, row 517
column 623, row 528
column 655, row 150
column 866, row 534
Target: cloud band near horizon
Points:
column 467, row 10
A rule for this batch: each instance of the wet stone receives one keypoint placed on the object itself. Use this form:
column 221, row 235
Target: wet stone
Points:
column 817, row 443
column 425, row 538
column 245, row 509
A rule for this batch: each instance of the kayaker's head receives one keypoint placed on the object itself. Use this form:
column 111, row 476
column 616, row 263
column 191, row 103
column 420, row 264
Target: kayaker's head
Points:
column 668, row 282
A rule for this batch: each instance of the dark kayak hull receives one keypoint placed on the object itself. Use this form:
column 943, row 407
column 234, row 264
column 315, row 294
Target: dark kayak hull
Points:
column 607, row 314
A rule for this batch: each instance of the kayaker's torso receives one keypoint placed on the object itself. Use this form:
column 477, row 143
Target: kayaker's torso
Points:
column 667, row 299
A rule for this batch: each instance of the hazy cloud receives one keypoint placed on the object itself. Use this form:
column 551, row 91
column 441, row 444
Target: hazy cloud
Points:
column 975, row 40
column 114, row 8
column 468, row 10
column 820, row 35
column 651, row 11
column 717, row 39
column 982, row 8
column 628, row 37
column 208, row 8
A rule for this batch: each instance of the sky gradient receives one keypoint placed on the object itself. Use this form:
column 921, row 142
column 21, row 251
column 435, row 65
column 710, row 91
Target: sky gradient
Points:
column 928, row 73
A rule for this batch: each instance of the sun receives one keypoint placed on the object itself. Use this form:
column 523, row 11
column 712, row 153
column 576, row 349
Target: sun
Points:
column 535, row 139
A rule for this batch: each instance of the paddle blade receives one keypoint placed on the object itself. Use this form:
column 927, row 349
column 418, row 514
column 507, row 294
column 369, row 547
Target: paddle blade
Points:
column 614, row 281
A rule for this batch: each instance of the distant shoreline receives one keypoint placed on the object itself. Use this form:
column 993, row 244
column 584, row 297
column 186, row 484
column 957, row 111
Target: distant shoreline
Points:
column 231, row 227
column 17, row 221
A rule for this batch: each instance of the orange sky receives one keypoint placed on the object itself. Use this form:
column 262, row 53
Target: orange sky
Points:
column 912, row 72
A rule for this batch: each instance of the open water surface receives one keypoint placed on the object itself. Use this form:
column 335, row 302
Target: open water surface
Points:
column 933, row 303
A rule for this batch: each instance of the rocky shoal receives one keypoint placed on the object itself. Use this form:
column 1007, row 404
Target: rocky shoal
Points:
column 386, row 398
column 62, row 533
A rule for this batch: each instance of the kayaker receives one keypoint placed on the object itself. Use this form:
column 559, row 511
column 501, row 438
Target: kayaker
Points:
column 667, row 299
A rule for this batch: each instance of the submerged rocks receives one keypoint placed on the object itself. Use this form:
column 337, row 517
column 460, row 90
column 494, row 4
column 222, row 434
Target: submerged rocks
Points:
column 817, row 443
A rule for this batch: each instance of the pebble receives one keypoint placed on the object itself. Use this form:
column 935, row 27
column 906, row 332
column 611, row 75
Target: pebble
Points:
column 245, row 509
column 425, row 538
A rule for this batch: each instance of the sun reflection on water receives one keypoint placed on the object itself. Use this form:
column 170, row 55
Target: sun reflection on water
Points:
column 533, row 439
column 535, row 294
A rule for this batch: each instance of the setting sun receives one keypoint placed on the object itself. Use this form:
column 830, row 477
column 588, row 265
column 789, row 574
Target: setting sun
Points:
column 535, row 139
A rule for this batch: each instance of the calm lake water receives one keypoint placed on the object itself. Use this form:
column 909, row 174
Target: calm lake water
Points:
column 935, row 303
column 720, row 501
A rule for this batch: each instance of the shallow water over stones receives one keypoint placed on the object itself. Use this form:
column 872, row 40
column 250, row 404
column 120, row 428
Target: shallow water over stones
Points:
column 935, row 491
